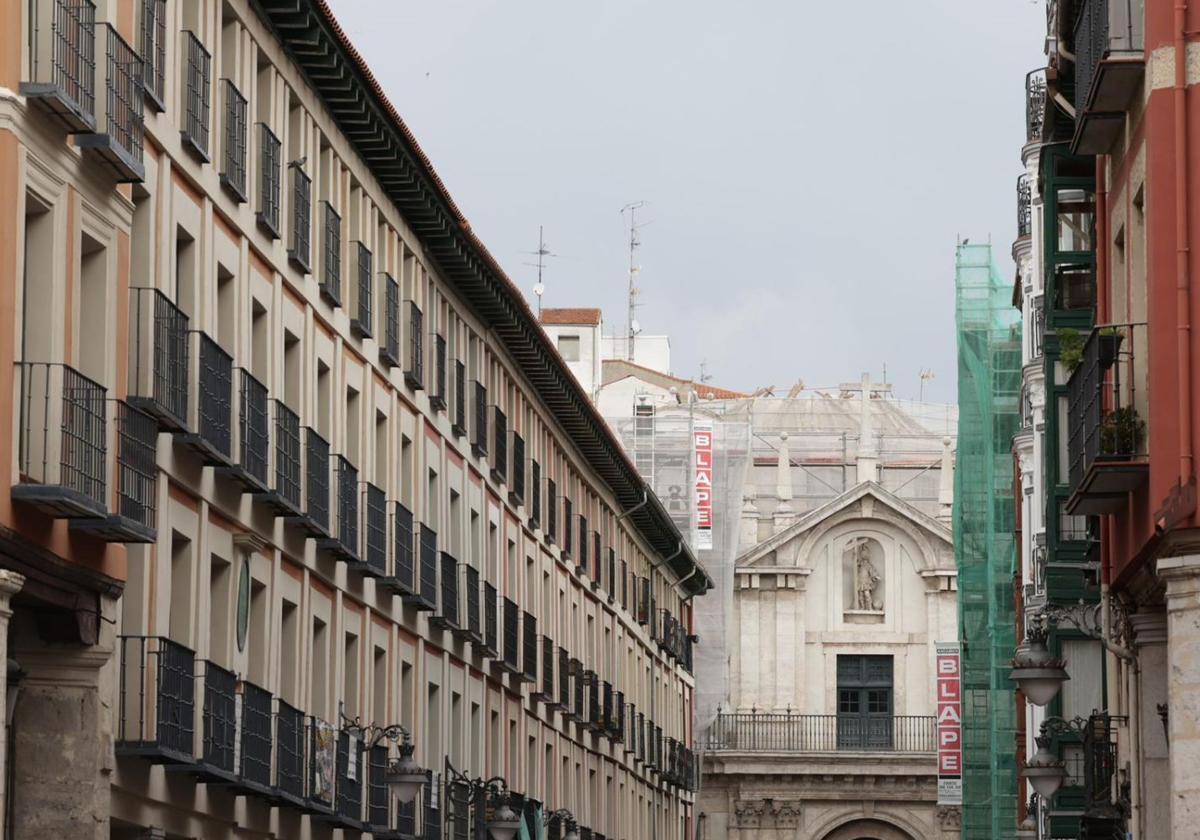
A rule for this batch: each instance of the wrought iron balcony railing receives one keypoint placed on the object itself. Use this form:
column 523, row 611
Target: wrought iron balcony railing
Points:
column 218, row 730
column 568, row 542
column 63, row 442
column 529, row 648
column 255, row 739
column 427, row 587
column 299, row 252
column 479, row 431
column 414, row 361
column 156, row 699
column 330, row 285
column 290, row 753
column 61, row 76
column 117, row 139
column 152, row 42
column 563, row 696
column 159, row 358
column 212, row 412
column 448, row 614
column 582, row 559
column 788, row 732
column 349, row 805
column 1109, row 41
column 389, row 352
column 234, row 141
column 511, row 652
column 440, row 377
column 316, row 484
column 372, row 560
column 535, row 495
column 342, row 542
column 270, row 173
column 137, row 476
column 363, row 322
column 285, row 493
column 499, row 445
column 197, row 76
column 402, row 579
column 516, row 488
column 1035, row 104
column 253, row 450
column 544, row 684
column 1024, row 207
column 458, row 423
column 1106, row 434
column 474, row 604
column 133, row 514
column 491, row 620
column 551, row 511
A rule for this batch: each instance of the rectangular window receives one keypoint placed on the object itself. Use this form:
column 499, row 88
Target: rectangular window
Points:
column 197, row 74
column 270, row 157
column 299, row 252
column 153, row 42
column 233, row 155
column 568, row 347
column 864, row 702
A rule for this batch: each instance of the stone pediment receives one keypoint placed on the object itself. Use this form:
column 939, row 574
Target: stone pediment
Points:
column 866, row 501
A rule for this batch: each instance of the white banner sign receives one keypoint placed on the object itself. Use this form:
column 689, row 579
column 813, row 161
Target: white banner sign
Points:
column 949, row 723
column 702, row 436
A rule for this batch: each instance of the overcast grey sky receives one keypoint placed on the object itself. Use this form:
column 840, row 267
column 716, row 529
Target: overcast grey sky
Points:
column 807, row 166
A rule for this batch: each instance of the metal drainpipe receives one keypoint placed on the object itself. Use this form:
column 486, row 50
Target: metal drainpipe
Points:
column 1183, row 301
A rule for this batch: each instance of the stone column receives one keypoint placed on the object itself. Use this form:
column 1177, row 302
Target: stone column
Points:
column 10, row 585
column 1182, row 578
column 1153, row 802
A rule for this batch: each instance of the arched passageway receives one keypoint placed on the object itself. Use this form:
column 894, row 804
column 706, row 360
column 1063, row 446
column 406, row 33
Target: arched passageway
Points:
column 868, row 830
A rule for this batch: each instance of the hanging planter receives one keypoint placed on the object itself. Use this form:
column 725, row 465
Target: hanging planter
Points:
column 1110, row 346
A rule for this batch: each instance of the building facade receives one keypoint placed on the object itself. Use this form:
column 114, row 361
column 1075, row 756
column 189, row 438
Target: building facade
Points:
column 824, row 518
column 1108, row 567
column 297, row 481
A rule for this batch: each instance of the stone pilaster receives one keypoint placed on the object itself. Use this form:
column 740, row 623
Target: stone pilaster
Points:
column 10, row 585
column 1153, row 799
column 1182, row 578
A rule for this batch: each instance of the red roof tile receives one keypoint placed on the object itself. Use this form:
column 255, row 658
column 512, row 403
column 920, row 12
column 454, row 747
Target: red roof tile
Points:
column 590, row 317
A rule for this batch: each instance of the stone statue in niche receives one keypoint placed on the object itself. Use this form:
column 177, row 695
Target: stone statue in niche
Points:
column 863, row 581
column 866, row 578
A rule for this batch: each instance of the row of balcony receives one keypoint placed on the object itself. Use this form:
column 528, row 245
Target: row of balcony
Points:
column 1106, row 432
column 98, row 99
column 199, row 719
column 1098, row 82
column 788, row 732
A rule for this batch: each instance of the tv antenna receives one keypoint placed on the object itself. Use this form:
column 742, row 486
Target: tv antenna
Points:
column 705, row 376
column 633, row 328
column 926, row 375
column 541, row 253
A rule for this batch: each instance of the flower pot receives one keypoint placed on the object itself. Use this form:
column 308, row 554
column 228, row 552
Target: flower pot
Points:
column 1110, row 346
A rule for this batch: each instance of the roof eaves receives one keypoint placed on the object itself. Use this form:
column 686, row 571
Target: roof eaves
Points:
column 416, row 189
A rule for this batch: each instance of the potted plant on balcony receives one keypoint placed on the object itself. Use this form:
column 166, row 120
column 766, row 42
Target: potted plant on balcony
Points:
column 1070, row 348
column 1110, row 345
column 1121, row 433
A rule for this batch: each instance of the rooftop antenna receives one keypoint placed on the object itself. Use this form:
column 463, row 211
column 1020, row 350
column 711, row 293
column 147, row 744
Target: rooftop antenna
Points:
column 541, row 253
column 926, row 375
column 633, row 328
column 705, row 376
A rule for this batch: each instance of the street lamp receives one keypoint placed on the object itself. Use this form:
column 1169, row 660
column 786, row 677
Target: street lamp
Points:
column 1046, row 772
column 403, row 775
column 568, row 820
column 505, row 822
column 1035, row 671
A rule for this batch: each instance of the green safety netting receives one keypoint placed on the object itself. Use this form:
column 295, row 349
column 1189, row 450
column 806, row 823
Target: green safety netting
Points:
column 989, row 386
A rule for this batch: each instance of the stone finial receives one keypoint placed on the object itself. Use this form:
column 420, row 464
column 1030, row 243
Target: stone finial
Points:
column 785, row 514
column 748, row 536
column 867, row 461
column 946, row 483
column 783, row 478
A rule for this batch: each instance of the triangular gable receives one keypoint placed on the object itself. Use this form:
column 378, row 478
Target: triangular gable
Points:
column 831, row 508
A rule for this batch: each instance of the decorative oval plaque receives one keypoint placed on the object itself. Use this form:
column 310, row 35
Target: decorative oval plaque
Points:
column 243, row 604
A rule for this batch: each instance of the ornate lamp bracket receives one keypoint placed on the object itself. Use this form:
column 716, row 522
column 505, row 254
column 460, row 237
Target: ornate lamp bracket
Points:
column 1088, row 620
